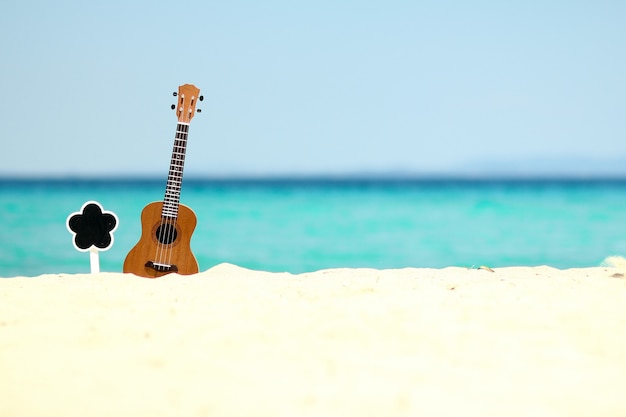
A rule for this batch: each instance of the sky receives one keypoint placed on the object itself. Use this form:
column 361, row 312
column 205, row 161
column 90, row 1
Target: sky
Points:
column 315, row 87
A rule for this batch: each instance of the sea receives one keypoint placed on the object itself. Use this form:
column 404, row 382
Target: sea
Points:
column 306, row 224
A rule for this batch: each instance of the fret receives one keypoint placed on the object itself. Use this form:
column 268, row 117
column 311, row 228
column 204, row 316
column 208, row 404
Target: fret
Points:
column 173, row 186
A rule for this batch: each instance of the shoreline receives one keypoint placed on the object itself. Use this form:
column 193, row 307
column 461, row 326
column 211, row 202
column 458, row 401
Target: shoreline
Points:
column 514, row 341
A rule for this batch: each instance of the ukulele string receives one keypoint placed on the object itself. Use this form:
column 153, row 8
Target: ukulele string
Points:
column 173, row 237
column 168, row 222
column 160, row 239
column 171, row 228
column 167, row 239
column 163, row 237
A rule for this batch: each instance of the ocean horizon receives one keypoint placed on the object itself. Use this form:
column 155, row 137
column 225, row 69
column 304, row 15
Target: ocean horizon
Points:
column 306, row 223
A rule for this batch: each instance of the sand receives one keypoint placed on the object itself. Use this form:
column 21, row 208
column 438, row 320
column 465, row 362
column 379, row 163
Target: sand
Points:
column 346, row 342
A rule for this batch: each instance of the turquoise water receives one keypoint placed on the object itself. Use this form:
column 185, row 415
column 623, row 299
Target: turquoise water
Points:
column 307, row 225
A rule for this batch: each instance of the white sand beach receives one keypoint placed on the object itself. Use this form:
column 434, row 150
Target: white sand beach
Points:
column 516, row 341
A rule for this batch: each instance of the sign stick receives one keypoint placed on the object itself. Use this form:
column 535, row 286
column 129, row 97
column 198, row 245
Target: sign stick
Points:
column 94, row 260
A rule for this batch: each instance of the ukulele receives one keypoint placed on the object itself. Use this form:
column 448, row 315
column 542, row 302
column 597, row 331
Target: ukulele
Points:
column 167, row 226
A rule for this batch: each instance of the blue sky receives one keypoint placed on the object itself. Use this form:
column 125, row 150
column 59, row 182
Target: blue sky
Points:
column 315, row 87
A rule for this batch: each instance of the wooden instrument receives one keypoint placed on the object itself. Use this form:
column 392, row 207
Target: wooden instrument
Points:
column 166, row 226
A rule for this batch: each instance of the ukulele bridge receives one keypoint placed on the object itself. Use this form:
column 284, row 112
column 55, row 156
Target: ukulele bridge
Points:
column 161, row 267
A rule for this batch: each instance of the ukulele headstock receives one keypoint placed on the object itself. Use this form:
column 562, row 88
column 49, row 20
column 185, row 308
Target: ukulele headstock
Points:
column 188, row 97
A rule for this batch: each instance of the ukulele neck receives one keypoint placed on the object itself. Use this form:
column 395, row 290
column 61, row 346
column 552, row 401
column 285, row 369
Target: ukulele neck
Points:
column 175, row 176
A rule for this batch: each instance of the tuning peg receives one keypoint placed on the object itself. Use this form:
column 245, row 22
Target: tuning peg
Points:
column 199, row 110
column 173, row 106
column 174, row 93
column 201, row 98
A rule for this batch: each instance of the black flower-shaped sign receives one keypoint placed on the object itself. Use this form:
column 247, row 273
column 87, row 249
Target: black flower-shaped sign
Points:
column 92, row 227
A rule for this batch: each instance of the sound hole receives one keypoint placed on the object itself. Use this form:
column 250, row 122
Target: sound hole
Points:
column 166, row 233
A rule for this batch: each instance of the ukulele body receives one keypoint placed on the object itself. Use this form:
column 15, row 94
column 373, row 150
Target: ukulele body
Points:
column 165, row 244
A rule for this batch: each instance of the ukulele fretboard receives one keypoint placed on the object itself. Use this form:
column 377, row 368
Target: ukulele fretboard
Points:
column 175, row 177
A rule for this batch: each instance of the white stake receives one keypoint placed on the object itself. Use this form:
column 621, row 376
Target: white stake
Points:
column 94, row 259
